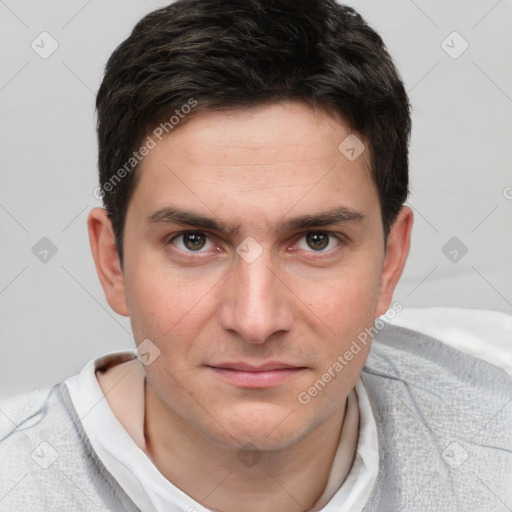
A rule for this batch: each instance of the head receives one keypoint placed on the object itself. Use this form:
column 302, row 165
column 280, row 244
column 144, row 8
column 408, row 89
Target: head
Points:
column 253, row 160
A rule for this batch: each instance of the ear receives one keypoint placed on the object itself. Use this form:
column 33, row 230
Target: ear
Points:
column 106, row 259
column 397, row 250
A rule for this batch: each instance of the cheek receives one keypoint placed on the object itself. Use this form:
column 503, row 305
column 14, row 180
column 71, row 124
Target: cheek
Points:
column 347, row 298
column 159, row 304
column 344, row 307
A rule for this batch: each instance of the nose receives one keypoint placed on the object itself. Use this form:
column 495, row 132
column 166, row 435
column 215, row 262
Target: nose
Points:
column 257, row 304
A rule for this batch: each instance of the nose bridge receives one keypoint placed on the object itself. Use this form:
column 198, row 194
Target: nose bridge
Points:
column 256, row 284
column 257, row 306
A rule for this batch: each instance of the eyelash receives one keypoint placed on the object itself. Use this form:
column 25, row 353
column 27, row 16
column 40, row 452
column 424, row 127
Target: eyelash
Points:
column 340, row 239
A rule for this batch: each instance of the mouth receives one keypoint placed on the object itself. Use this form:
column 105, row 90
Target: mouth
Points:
column 251, row 376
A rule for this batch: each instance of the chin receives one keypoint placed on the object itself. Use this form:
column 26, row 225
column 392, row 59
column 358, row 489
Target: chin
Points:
column 253, row 440
column 267, row 427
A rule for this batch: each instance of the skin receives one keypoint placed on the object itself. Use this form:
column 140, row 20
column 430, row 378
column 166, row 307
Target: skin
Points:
column 253, row 170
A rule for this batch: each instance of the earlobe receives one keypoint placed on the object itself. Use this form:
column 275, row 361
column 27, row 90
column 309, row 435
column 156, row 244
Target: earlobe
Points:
column 398, row 245
column 106, row 259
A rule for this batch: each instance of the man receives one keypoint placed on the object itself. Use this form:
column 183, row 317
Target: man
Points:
column 253, row 167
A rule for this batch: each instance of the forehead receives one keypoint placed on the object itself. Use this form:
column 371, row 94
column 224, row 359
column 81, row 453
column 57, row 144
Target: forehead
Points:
column 274, row 156
column 262, row 135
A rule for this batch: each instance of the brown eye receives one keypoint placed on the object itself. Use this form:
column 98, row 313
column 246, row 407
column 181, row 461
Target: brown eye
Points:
column 317, row 241
column 194, row 245
column 194, row 241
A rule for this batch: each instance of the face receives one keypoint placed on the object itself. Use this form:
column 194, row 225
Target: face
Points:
column 253, row 258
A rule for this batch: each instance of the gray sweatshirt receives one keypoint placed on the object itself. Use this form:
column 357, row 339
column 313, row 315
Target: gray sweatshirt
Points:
column 444, row 422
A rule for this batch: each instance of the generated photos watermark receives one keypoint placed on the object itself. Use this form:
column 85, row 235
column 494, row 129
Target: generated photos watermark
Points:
column 363, row 338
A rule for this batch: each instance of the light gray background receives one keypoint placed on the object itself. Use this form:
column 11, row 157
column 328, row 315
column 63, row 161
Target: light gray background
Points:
column 54, row 317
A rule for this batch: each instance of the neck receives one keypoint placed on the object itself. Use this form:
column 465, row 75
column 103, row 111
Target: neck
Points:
column 289, row 479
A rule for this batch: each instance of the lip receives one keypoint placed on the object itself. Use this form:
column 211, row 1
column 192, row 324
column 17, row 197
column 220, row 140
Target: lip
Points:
column 248, row 367
column 248, row 375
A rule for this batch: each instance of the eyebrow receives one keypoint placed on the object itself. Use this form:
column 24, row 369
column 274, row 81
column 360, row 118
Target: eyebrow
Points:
column 170, row 215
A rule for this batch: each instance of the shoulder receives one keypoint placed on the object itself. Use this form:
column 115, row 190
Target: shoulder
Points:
column 48, row 462
column 29, row 419
column 28, row 425
column 442, row 416
column 409, row 368
column 402, row 354
column 22, row 402
column 36, row 439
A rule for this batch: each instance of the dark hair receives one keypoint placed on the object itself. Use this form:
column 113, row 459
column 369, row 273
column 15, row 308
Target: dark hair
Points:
column 225, row 54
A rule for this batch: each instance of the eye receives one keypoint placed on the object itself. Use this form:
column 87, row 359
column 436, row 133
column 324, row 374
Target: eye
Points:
column 192, row 241
column 318, row 241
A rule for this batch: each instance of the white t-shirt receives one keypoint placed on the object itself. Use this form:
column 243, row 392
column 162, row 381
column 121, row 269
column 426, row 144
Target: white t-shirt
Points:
column 119, row 442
